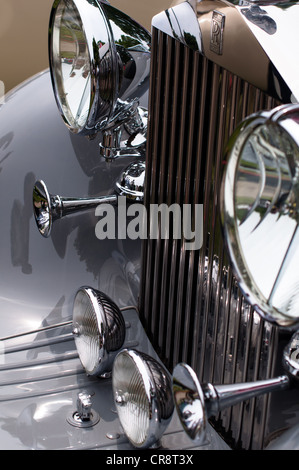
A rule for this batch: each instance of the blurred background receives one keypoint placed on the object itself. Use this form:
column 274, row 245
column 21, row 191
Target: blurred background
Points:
column 24, row 34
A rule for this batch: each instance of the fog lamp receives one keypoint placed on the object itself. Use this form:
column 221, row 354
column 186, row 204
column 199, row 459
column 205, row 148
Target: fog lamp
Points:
column 92, row 48
column 98, row 328
column 260, row 212
column 143, row 397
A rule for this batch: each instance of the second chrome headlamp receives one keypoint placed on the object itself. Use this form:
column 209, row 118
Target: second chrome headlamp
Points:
column 98, row 58
column 260, row 210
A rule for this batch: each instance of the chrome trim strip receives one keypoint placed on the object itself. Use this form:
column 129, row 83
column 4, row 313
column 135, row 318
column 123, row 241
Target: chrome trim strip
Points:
column 39, row 343
column 38, row 330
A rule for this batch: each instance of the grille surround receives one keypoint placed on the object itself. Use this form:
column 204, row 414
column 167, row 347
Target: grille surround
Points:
column 190, row 302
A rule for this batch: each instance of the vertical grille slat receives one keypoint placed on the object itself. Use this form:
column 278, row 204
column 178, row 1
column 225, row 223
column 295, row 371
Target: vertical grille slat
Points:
column 179, row 259
column 168, row 101
column 157, row 180
column 190, row 302
column 172, row 247
column 190, row 193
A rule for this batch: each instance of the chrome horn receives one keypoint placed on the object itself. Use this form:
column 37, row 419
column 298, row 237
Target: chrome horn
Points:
column 196, row 403
column 47, row 208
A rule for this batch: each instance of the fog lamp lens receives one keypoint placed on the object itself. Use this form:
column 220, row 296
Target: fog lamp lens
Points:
column 98, row 328
column 143, row 397
column 260, row 212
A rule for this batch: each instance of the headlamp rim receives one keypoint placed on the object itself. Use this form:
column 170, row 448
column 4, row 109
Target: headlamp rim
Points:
column 101, row 328
column 185, row 372
column 41, row 190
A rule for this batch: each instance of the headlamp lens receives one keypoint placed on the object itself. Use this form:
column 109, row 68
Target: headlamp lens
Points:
column 72, row 69
column 132, row 396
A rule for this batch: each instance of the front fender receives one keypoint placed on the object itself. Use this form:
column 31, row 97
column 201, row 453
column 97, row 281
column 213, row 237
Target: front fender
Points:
column 40, row 372
column 35, row 144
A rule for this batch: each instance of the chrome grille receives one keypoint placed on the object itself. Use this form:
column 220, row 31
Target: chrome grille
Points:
column 190, row 302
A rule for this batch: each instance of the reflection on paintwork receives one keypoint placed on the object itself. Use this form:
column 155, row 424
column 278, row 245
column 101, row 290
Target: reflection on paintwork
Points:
column 20, row 226
column 4, row 144
column 259, row 17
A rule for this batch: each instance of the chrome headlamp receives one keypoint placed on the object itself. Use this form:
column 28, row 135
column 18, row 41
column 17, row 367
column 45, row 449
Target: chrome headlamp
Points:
column 143, row 397
column 98, row 328
column 260, row 212
column 95, row 73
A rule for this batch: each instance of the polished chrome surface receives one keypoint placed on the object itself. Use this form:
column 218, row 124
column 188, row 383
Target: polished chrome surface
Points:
column 196, row 403
column 47, row 207
column 99, row 58
column 260, row 212
column 291, row 357
column 84, row 405
column 85, row 416
column 131, row 183
column 189, row 400
column 180, row 22
column 126, row 134
column 143, row 397
column 98, row 329
column 193, row 308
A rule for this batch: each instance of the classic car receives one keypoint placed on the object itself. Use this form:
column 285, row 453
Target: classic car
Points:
column 149, row 243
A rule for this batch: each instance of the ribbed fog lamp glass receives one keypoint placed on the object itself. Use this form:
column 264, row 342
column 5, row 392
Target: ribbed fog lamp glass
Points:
column 98, row 328
column 143, row 397
column 260, row 210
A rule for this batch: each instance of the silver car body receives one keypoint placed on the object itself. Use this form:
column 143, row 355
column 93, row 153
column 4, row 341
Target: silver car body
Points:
column 40, row 372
